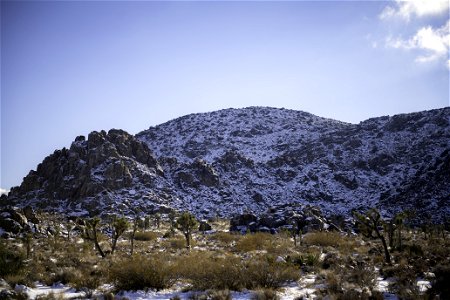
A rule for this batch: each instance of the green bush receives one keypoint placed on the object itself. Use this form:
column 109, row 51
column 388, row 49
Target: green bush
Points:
column 156, row 272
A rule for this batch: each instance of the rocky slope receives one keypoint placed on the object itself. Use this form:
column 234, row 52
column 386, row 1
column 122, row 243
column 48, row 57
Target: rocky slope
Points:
column 247, row 160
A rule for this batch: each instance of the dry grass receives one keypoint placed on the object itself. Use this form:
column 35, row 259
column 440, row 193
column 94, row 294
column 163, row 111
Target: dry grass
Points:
column 225, row 261
column 324, row 239
column 145, row 236
column 254, row 241
column 140, row 272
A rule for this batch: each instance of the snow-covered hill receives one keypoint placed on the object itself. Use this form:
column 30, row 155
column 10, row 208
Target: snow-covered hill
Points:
column 248, row 160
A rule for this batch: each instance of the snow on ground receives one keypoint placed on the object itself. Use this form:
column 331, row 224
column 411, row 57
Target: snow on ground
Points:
column 423, row 285
column 306, row 288
column 57, row 289
column 383, row 286
column 168, row 294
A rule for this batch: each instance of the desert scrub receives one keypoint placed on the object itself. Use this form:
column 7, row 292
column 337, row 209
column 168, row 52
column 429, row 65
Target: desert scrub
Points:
column 265, row 294
column 145, row 236
column 50, row 296
column 176, row 243
column 266, row 272
column 324, row 239
column 204, row 271
column 211, row 295
column 254, row 241
column 226, row 238
column 87, row 281
column 11, row 261
column 141, row 272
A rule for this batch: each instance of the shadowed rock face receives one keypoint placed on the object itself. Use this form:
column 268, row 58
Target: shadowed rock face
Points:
column 104, row 162
column 238, row 161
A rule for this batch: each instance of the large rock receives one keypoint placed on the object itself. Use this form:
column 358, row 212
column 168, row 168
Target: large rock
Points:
column 30, row 214
column 8, row 224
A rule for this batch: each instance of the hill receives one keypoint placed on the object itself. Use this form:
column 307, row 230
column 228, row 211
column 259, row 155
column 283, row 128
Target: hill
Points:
column 234, row 161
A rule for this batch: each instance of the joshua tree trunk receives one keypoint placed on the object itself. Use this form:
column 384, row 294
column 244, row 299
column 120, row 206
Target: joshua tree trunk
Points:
column 387, row 255
column 188, row 240
column 133, row 234
column 97, row 245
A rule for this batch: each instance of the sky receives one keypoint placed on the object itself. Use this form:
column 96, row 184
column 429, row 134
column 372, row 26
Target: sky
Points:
column 68, row 68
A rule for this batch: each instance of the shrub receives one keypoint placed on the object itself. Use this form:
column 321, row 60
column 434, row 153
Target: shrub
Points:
column 265, row 272
column 266, row 294
column 176, row 243
column 211, row 295
column 207, row 272
column 11, row 262
column 440, row 284
column 224, row 237
column 87, row 281
column 140, row 272
column 311, row 259
column 255, row 241
column 220, row 295
column 64, row 276
column 361, row 276
column 50, row 296
column 324, row 239
column 231, row 273
column 19, row 278
column 145, row 236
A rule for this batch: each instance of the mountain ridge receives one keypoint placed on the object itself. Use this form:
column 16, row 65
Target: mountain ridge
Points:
column 232, row 161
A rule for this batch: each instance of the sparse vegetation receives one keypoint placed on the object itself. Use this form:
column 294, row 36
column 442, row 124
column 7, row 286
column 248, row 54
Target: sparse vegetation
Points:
column 140, row 272
column 345, row 266
column 145, row 236
column 186, row 224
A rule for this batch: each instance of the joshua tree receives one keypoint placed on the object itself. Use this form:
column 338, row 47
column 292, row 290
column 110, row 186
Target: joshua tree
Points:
column 28, row 241
column 120, row 225
column 186, row 223
column 157, row 220
column 135, row 226
column 69, row 226
column 90, row 233
column 146, row 222
column 172, row 219
column 370, row 223
column 297, row 225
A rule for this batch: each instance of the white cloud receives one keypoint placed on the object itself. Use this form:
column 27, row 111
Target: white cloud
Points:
column 434, row 43
column 418, row 8
column 3, row 191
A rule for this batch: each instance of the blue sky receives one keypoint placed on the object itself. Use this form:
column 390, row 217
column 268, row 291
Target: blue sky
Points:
column 68, row 68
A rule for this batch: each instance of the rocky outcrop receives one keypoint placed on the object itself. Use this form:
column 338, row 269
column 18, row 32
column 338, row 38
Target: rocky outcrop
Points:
column 14, row 220
column 245, row 161
column 287, row 217
column 91, row 168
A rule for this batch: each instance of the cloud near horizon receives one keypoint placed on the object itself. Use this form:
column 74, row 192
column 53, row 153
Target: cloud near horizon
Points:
column 3, row 191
